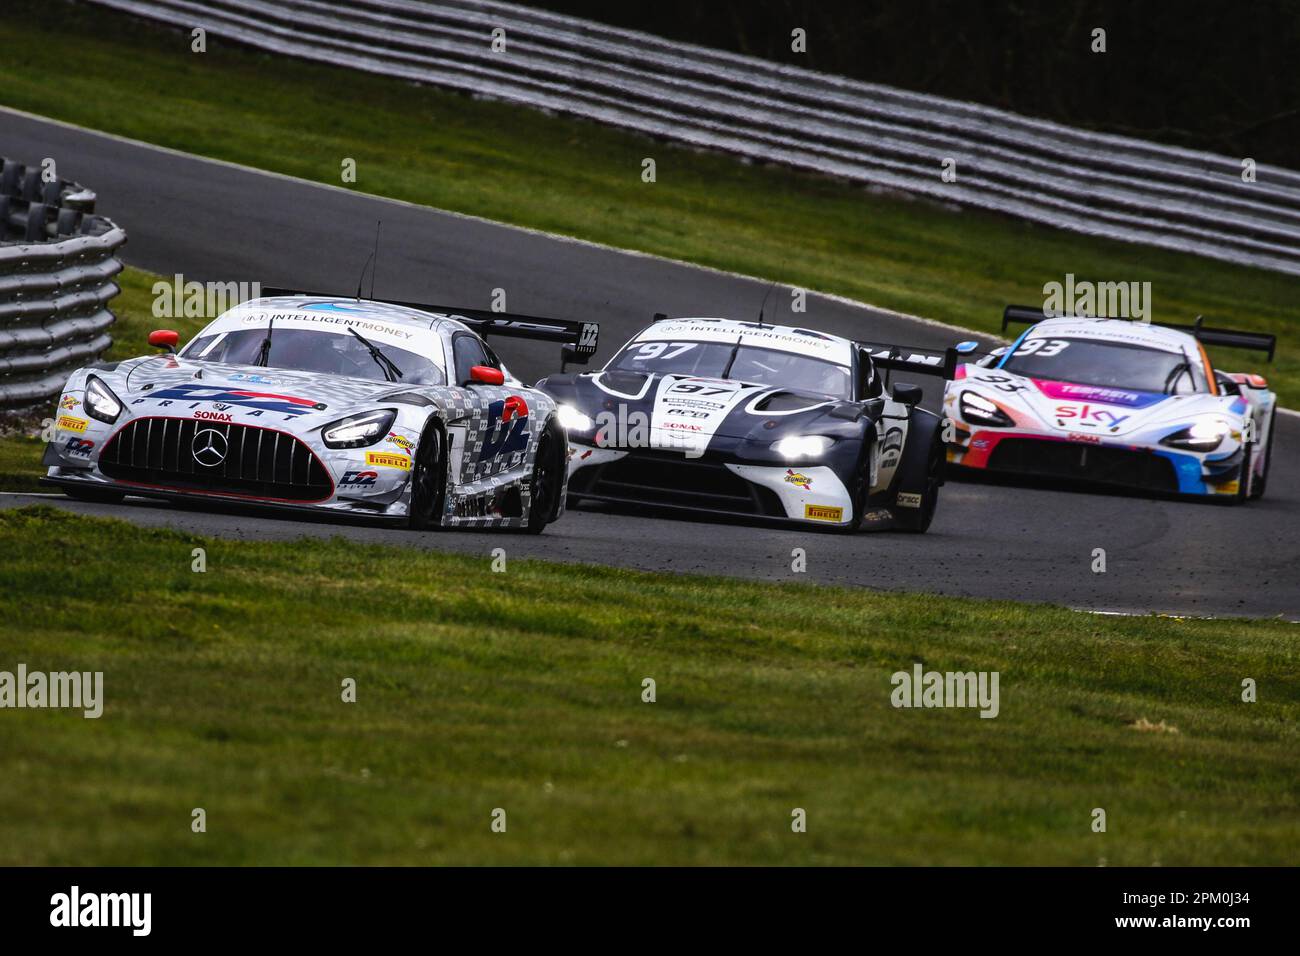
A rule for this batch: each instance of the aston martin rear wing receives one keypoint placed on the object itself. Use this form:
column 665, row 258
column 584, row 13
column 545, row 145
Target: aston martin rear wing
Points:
column 1209, row 335
column 919, row 361
column 578, row 338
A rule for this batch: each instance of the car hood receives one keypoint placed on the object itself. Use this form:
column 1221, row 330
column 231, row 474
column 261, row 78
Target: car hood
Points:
column 166, row 384
column 1069, row 409
column 686, row 412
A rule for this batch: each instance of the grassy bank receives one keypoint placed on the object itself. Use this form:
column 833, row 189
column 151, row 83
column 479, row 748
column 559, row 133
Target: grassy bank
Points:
column 522, row 691
column 520, row 166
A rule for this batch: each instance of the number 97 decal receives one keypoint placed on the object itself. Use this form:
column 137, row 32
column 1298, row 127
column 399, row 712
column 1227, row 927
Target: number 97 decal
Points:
column 662, row 350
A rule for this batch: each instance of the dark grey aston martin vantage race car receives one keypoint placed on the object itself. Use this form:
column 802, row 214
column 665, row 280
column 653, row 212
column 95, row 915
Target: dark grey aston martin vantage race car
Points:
column 769, row 422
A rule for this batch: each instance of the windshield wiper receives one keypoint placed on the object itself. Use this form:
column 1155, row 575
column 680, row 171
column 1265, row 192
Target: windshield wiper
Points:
column 391, row 372
column 1174, row 374
column 264, row 350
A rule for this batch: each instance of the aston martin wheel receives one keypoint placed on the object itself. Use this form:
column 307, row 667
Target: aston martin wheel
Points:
column 548, row 479
column 429, row 481
column 859, row 502
column 916, row 517
column 860, row 498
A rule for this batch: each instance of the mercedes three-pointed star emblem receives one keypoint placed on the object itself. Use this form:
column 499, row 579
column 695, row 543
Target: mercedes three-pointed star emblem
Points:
column 209, row 447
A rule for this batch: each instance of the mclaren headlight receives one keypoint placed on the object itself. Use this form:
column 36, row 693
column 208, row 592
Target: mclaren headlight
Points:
column 101, row 403
column 978, row 409
column 358, row 431
column 1204, row 435
column 803, row 446
column 573, row 420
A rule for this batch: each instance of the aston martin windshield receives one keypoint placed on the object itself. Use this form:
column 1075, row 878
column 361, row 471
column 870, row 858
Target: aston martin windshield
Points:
column 1106, row 364
column 745, row 363
column 311, row 350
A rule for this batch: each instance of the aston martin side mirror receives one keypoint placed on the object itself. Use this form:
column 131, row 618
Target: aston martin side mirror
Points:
column 907, row 394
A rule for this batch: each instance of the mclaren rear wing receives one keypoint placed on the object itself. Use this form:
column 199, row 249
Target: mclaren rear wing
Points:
column 1022, row 314
column 919, row 361
column 1209, row 335
column 579, row 339
column 1229, row 338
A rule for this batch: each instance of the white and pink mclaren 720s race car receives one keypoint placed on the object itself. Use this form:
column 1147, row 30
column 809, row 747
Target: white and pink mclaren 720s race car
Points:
column 1116, row 402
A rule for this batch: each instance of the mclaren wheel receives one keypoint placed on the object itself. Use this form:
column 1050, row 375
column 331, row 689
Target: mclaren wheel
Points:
column 1243, row 483
column 1257, row 489
column 548, row 479
column 429, row 481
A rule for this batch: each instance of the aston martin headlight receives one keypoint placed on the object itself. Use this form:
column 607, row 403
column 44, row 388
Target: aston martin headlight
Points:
column 976, row 408
column 574, row 420
column 358, row 431
column 1205, row 435
column 802, row 446
column 101, row 403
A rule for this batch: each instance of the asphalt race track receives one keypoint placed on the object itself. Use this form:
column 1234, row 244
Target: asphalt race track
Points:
column 212, row 221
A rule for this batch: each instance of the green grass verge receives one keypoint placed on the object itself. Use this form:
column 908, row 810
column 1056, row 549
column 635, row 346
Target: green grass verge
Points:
column 520, row 166
column 522, row 691
column 20, row 457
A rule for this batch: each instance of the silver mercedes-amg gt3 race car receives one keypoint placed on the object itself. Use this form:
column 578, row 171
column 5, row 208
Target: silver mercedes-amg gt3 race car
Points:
column 385, row 410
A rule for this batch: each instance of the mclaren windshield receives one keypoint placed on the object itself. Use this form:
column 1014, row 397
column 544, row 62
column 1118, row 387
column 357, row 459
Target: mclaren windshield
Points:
column 743, row 363
column 313, row 350
column 1107, row 364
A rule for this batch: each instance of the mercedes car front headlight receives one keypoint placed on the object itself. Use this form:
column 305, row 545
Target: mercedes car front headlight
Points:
column 101, row 403
column 358, row 431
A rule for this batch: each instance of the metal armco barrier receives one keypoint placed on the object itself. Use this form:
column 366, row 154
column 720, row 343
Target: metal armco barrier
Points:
column 1093, row 183
column 57, row 263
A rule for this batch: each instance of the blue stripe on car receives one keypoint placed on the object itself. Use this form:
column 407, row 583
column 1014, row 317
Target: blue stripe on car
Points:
column 1014, row 345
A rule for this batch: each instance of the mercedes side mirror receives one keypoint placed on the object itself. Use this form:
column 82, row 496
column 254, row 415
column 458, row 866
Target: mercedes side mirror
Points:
column 486, row 375
column 164, row 339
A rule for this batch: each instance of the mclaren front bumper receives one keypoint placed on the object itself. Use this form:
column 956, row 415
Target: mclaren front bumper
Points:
column 1140, row 467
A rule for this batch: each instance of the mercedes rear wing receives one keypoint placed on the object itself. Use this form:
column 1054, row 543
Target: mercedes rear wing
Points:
column 1207, row 334
column 579, row 339
column 905, row 358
